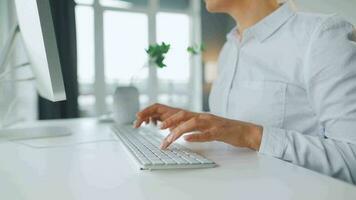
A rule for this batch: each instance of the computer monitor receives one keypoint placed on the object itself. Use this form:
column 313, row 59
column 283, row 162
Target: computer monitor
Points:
column 37, row 30
column 35, row 23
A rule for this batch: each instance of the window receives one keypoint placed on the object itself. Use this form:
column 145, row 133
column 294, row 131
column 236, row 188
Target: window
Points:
column 174, row 79
column 112, row 38
column 85, row 47
column 124, row 47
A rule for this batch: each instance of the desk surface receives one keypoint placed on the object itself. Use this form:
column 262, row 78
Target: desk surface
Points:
column 92, row 164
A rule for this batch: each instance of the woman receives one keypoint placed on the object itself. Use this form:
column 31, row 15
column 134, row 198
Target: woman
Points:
column 286, row 88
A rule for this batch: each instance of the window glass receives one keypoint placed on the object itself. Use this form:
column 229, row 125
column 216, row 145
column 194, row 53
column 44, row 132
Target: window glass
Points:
column 174, row 79
column 85, row 57
column 125, row 41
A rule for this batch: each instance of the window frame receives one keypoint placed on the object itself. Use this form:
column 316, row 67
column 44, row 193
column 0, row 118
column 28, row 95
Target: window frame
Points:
column 152, row 9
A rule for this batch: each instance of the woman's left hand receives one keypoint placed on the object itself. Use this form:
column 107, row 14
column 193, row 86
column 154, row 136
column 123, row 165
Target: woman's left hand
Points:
column 207, row 127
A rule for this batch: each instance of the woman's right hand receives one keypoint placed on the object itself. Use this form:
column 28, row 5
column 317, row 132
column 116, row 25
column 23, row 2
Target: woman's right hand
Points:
column 159, row 112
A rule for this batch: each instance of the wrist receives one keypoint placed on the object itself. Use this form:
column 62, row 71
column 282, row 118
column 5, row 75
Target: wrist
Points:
column 254, row 137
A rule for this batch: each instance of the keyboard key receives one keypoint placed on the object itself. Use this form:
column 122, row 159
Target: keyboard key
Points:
column 145, row 161
column 180, row 160
column 169, row 162
column 157, row 162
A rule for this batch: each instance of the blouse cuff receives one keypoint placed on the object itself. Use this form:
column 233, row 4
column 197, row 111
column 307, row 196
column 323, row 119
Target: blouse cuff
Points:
column 273, row 142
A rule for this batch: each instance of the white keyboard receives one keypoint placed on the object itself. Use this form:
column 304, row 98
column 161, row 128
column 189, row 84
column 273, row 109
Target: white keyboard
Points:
column 143, row 144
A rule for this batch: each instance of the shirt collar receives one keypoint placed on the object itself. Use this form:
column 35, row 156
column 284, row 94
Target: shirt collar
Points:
column 268, row 25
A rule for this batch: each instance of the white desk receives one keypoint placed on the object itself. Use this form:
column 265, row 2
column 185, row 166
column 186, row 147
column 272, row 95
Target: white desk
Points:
column 60, row 168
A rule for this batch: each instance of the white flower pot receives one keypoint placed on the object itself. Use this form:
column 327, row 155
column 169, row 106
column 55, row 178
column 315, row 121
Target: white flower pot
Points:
column 126, row 105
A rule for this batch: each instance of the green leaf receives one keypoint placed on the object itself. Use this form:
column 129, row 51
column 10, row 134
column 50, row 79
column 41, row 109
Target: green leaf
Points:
column 156, row 53
column 196, row 49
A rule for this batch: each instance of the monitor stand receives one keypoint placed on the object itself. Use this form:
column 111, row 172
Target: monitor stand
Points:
column 33, row 133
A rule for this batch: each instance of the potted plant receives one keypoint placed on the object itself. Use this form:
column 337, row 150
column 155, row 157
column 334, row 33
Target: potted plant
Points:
column 126, row 99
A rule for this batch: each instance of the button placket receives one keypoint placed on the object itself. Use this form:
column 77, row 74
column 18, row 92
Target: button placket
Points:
column 239, row 46
column 230, row 80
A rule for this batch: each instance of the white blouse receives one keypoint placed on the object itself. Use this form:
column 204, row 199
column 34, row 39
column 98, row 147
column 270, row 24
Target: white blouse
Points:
column 295, row 74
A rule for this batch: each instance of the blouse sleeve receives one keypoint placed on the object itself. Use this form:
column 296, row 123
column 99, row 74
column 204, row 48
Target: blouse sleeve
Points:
column 330, row 79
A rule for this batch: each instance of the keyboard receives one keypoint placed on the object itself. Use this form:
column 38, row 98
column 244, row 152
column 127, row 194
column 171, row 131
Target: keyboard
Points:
column 144, row 145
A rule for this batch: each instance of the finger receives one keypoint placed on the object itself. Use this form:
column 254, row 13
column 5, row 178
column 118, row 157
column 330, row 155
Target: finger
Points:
column 166, row 115
column 199, row 137
column 194, row 124
column 159, row 117
column 139, row 122
column 165, row 143
column 151, row 110
column 141, row 117
column 175, row 119
column 172, row 128
column 154, row 119
column 146, row 113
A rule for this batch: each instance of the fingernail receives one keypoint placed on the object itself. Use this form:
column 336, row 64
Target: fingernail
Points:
column 170, row 139
column 161, row 126
column 163, row 145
